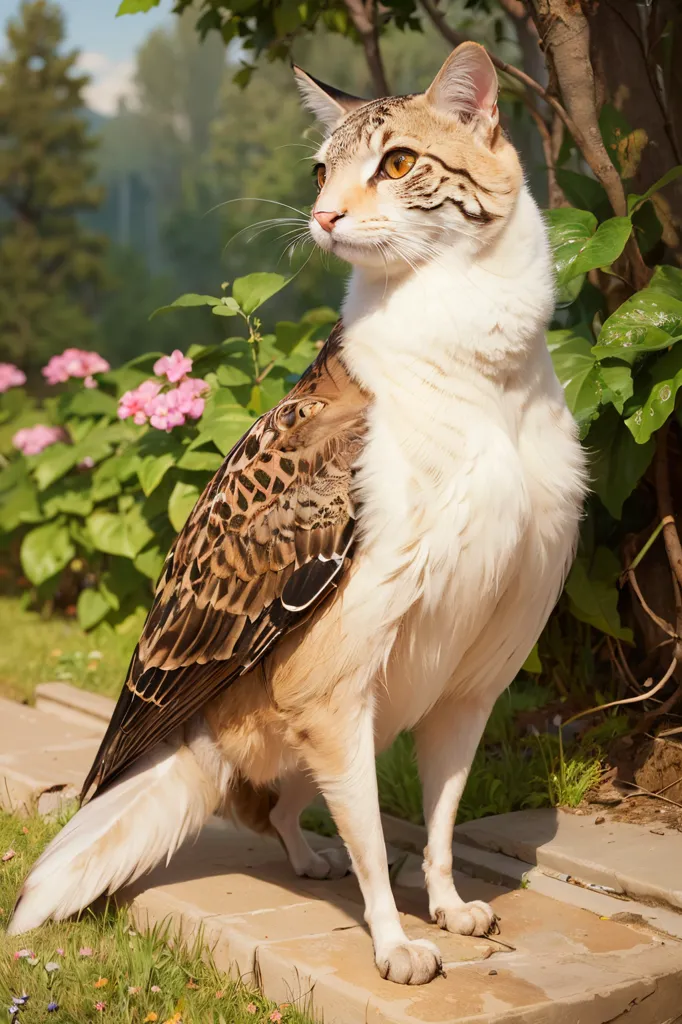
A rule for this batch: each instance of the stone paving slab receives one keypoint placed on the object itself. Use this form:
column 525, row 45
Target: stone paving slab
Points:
column 304, row 940
column 78, row 707
column 43, row 759
column 627, row 858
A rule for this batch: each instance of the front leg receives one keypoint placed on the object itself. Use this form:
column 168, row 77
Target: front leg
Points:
column 339, row 748
column 446, row 741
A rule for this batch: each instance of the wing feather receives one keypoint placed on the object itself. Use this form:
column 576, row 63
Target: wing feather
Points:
column 265, row 545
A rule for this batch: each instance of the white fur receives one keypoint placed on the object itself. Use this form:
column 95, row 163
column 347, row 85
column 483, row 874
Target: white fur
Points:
column 117, row 837
column 471, row 487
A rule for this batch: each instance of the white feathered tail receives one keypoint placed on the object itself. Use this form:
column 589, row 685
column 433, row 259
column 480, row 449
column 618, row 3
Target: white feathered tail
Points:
column 118, row 836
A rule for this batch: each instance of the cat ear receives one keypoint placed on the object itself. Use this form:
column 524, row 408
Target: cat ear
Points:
column 328, row 104
column 466, row 84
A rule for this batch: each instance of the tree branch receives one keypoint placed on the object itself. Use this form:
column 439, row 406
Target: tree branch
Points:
column 671, row 537
column 363, row 14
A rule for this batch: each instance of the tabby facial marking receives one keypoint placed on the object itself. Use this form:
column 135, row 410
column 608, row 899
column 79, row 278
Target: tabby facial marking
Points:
column 403, row 178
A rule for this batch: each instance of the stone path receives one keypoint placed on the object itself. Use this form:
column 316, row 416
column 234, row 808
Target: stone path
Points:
column 559, row 958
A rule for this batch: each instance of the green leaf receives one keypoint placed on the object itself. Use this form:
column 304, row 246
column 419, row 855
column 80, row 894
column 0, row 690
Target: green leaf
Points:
column 150, row 562
column 119, row 534
column 636, row 200
column 657, row 390
column 53, row 463
column 583, row 192
column 182, row 500
column 226, row 307
column 73, row 497
column 532, row 664
column 231, row 376
column 185, row 301
column 617, row 462
column 225, row 427
column 569, row 232
column 201, row 461
column 252, row 291
column 592, row 593
column 91, row 608
column 646, row 322
column 578, row 248
column 667, row 279
column 88, row 402
column 578, row 371
column 19, row 503
column 46, row 550
column 152, row 468
column 136, row 6
column 617, row 385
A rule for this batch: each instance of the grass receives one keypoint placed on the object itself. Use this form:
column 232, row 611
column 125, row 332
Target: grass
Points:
column 37, row 650
column 101, row 960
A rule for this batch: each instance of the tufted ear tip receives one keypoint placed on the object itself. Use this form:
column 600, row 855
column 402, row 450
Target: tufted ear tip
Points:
column 328, row 104
column 466, row 83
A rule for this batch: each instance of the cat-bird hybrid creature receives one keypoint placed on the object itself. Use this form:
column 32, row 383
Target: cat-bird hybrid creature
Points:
column 379, row 552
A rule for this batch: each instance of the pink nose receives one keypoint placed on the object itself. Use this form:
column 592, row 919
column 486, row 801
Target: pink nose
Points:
column 327, row 220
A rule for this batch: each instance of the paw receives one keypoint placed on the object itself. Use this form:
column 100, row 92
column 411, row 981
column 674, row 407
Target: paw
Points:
column 410, row 963
column 331, row 863
column 475, row 918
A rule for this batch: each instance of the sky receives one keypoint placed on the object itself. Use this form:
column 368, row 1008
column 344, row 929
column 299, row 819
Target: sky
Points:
column 107, row 44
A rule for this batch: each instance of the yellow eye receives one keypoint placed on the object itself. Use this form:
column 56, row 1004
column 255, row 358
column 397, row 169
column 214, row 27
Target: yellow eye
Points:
column 397, row 163
column 321, row 175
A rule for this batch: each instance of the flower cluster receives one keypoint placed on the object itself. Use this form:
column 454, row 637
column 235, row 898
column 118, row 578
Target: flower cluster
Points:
column 11, row 377
column 33, row 440
column 170, row 408
column 75, row 362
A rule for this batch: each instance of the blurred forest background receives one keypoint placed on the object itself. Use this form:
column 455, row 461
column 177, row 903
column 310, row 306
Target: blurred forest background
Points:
column 169, row 192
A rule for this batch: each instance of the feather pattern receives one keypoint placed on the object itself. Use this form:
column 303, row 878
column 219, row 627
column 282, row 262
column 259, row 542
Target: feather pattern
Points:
column 266, row 543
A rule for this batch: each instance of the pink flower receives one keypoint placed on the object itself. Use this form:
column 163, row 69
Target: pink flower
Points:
column 101, row 1006
column 24, row 954
column 174, row 366
column 11, row 376
column 251, row 1008
column 85, row 951
column 164, row 411
column 90, row 382
column 275, row 1016
column 133, row 403
column 33, row 440
column 155, row 988
column 188, row 400
column 60, row 951
column 74, row 362
column 9, row 855
column 87, row 463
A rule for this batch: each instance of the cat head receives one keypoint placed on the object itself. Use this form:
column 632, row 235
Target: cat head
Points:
column 402, row 178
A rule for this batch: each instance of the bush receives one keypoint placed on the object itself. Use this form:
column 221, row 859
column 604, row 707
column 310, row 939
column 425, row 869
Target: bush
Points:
column 99, row 479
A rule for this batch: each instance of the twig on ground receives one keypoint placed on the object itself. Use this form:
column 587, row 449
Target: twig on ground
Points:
column 626, row 700
column 646, row 792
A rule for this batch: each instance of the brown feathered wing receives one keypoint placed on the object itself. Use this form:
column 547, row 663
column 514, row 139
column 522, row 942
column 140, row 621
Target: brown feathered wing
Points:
column 266, row 543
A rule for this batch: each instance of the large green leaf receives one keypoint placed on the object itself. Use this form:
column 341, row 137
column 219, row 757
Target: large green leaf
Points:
column 616, row 380
column 569, row 232
column 226, row 307
column 150, row 562
column 667, row 279
column 182, row 501
column 19, row 501
column 591, row 588
column 646, row 322
column 188, row 300
column 223, row 422
column 578, row 371
column 88, row 402
column 616, row 462
column 583, row 192
column 73, row 497
column 46, row 550
column 657, row 392
column 230, row 375
column 91, row 608
column 152, row 468
column 252, row 291
column 123, row 533
column 201, row 461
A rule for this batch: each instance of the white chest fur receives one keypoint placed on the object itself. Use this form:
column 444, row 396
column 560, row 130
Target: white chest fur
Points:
column 472, row 479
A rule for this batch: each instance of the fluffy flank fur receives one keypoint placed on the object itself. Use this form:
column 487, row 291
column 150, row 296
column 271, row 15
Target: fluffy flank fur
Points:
column 117, row 837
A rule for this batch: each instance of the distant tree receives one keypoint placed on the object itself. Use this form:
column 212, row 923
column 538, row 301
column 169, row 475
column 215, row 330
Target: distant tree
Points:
column 51, row 266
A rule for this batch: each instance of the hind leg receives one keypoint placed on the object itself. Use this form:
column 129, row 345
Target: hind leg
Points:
column 296, row 791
